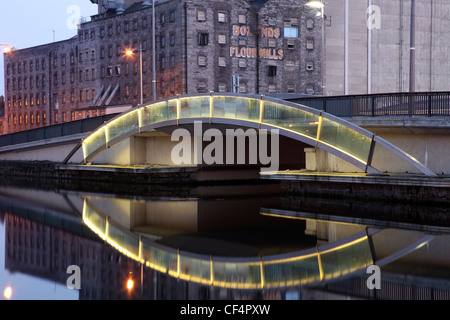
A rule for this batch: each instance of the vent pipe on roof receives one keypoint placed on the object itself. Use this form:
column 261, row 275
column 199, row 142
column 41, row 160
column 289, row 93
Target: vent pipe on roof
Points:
column 111, row 4
column 120, row 6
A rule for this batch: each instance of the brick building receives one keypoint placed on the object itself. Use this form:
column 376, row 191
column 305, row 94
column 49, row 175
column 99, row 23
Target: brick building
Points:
column 246, row 46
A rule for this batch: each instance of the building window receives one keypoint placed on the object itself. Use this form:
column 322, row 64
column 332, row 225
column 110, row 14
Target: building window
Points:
column 135, row 25
column 117, row 70
column 272, row 43
column 163, row 41
column 222, row 17
column 163, row 18
column 202, row 61
column 102, row 32
column 242, row 19
column 144, row 23
column 271, row 71
column 272, row 88
column 309, row 66
column 291, row 32
column 201, row 86
column 310, row 44
column 222, row 39
column 222, row 87
column 242, row 87
column 172, row 39
column 242, row 63
column 201, row 15
column 202, row 39
column 291, row 44
column 172, row 16
column 222, row 62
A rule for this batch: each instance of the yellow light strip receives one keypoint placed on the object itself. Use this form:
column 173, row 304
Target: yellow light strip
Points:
column 178, row 110
column 319, row 260
column 211, row 106
column 319, row 129
column 274, row 215
column 140, row 119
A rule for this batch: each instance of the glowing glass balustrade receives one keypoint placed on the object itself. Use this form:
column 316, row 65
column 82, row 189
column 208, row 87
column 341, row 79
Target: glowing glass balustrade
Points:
column 300, row 120
column 296, row 268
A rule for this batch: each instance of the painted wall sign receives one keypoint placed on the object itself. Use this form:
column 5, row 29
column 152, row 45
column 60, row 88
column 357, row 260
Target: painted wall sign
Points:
column 252, row 53
column 266, row 32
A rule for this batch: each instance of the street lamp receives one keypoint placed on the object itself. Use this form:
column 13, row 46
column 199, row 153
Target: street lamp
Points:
column 130, row 53
column 321, row 7
column 6, row 48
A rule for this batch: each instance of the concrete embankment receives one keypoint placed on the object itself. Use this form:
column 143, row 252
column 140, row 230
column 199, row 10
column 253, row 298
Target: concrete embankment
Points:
column 387, row 187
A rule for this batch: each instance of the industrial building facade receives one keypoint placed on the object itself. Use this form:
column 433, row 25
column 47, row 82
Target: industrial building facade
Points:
column 255, row 47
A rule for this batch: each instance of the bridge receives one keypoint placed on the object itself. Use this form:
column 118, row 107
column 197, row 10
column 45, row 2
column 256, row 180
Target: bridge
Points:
column 345, row 133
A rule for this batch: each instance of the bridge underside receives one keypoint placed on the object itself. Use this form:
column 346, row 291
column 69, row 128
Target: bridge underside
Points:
column 237, row 149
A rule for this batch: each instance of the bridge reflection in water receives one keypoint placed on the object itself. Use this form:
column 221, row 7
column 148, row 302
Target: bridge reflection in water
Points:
column 318, row 265
column 324, row 243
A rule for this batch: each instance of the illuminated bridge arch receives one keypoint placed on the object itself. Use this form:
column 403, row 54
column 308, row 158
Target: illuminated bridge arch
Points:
column 310, row 126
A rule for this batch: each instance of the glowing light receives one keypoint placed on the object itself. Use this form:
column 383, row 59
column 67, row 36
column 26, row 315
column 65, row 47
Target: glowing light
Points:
column 130, row 284
column 129, row 52
column 7, row 293
column 7, row 49
column 315, row 4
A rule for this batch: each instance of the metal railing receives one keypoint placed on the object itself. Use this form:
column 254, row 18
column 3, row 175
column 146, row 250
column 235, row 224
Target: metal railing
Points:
column 390, row 104
column 54, row 131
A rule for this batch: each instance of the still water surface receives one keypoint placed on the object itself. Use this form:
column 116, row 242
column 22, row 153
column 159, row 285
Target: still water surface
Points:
column 250, row 242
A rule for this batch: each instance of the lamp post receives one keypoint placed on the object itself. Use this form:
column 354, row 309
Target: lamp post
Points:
column 130, row 53
column 320, row 5
column 412, row 75
column 154, row 49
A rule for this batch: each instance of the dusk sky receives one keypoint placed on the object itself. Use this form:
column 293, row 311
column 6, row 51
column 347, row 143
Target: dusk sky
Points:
column 28, row 23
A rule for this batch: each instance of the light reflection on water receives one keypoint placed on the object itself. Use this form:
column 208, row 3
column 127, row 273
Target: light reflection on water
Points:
column 43, row 233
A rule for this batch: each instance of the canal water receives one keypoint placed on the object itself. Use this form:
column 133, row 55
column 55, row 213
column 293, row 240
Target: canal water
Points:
column 223, row 242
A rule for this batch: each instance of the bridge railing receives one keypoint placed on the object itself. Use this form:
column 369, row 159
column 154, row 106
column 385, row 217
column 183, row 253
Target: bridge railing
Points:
column 392, row 104
column 54, row 131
